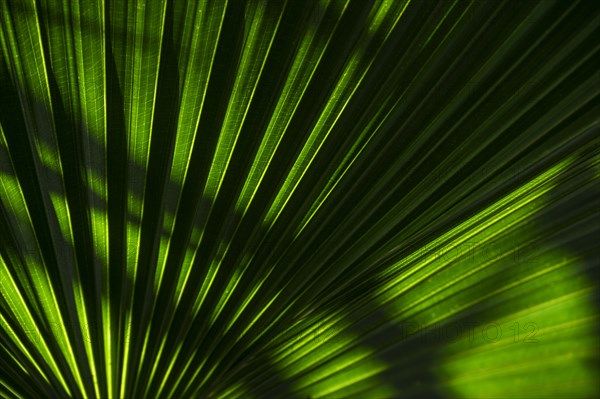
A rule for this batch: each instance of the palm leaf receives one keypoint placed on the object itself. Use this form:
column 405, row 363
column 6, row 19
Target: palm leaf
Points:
column 299, row 199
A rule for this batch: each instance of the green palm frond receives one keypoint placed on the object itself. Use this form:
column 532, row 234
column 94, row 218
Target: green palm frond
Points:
column 325, row 198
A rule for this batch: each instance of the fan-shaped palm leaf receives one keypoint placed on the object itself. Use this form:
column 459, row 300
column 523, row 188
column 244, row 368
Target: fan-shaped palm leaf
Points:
column 326, row 198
